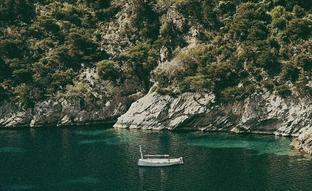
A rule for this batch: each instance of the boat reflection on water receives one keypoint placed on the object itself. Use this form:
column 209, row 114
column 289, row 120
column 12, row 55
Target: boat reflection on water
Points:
column 163, row 177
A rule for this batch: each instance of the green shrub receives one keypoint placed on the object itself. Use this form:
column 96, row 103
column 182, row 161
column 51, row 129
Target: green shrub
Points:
column 107, row 70
column 304, row 61
column 146, row 19
column 250, row 22
column 60, row 79
column 186, row 64
column 231, row 94
column 12, row 48
column 195, row 83
column 23, row 74
column 143, row 58
column 50, row 25
column 23, row 95
column 299, row 11
column 223, row 75
column 79, row 89
column 4, row 70
column 16, row 11
column 279, row 23
column 278, row 12
column 3, row 94
column 283, row 91
column 289, row 72
column 107, row 14
column 269, row 85
column 299, row 29
column 170, row 35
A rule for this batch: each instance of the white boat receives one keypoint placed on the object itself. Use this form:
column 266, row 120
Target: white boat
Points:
column 158, row 160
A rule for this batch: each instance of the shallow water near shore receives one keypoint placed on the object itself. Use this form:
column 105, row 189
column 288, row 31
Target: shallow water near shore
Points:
column 106, row 159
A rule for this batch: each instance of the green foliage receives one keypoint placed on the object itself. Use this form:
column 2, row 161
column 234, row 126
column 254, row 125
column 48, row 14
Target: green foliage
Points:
column 223, row 76
column 146, row 18
column 283, row 91
column 195, row 83
column 290, row 72
column 45, row 44
column 23, row 74
column 232, row 94
column 269, row 85
column 250, row 23
column 23, row 95
column 14, row 11
column 305, row 61
column 144, row 58
column 12, row 48
column 299, row 29
column 59, row 80
column 43, row 51
column 107, row 70
column 107, row 13
column 299, row 11
column 170, row 35
column 279, row 23
column 2, row 94
column 186, row 65
column 78, row 89
column 4, row 70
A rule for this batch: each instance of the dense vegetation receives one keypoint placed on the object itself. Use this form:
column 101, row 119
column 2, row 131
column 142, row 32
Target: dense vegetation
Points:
column 247, row 46
column 242, row 46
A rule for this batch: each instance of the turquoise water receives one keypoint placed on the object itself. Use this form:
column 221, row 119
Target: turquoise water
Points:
column 105, row 159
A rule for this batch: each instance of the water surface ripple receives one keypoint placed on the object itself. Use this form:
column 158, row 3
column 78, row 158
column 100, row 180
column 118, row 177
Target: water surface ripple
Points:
column 105, row 159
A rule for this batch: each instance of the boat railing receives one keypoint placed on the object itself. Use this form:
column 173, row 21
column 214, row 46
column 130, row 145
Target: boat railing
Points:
column 157, row 156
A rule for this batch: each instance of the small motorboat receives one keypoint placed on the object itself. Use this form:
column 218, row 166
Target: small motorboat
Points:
column 158, row 160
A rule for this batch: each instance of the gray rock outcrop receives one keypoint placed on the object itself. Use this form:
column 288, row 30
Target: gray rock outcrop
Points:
column 88, row 101
column 260, row 113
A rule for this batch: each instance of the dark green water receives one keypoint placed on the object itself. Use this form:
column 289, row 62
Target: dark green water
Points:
column 105, row 160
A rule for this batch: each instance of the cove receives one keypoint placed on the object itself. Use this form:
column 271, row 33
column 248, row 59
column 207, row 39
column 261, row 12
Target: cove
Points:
column 103, row 158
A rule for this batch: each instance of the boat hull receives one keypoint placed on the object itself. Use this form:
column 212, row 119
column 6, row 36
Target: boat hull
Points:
column 160, row 162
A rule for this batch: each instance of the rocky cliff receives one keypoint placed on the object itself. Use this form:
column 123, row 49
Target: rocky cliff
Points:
column 260, row 113
column 100, row 102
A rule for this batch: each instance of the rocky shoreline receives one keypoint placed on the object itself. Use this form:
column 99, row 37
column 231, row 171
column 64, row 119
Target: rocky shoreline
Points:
column 267, row 113
column 63, row 113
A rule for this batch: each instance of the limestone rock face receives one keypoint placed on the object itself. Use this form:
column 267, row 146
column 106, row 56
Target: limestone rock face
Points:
column 155, row 111
column 95, row 105
column 266, row 113
column 12, row 116
column 64, row 112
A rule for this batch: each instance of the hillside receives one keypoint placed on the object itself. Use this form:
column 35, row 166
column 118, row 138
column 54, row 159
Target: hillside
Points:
column 230, row 48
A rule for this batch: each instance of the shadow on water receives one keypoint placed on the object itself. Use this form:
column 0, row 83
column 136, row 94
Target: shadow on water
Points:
column 107, row 141
column 18, row 188
column 91, row 180
column 90, row 132
column 12, row 150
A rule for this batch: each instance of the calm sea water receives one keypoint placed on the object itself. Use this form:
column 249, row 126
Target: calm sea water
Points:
column 105, row 160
